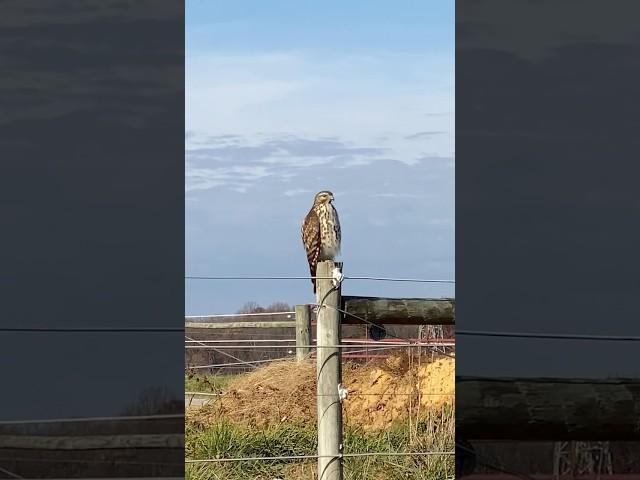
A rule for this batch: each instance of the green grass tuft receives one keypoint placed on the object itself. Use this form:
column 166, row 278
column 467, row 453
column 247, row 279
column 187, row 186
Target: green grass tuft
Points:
column 224, row 440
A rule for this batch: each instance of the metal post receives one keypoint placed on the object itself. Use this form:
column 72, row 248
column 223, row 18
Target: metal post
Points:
column 303, row 332
column 329, row 375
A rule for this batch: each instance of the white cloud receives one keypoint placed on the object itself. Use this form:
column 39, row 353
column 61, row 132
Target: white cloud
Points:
column 238, row 177
column 232, row 160
column 297, row 191
column 287, row 112
column 397, row 195
column 309, row 95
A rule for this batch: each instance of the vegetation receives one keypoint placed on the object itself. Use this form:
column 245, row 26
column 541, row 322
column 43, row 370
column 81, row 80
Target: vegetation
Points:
column 155, row 400
column 206, row 383
column 254, row 307
column 435, row 432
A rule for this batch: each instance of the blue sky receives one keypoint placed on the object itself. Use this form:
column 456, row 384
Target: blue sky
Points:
column 286, row 98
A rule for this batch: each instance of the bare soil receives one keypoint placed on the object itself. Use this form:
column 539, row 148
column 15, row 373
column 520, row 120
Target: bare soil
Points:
column 380, row 393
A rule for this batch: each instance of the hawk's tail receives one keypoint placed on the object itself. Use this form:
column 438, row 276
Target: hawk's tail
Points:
column 312, row 269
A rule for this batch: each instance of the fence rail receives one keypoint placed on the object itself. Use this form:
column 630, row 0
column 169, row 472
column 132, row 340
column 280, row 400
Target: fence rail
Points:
column 91, row 442
column 234, row 325
column 526, row 409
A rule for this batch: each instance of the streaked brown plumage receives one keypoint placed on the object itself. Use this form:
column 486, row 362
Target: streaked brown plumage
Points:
column 321, row 232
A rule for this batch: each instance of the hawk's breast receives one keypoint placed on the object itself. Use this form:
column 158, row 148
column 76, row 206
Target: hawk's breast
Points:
column 329, row 226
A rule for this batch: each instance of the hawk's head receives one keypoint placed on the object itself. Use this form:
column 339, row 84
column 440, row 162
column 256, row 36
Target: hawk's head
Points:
column 323, row 197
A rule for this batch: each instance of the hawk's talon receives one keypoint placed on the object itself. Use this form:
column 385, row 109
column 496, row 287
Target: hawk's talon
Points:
column 342, row 392
column 337, row 277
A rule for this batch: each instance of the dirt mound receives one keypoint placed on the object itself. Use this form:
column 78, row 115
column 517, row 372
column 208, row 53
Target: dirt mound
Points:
column 379, row 394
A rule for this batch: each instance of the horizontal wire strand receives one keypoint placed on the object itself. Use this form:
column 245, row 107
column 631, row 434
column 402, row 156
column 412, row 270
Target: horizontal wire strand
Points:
column 379, row 326
column 382, row 279
column 234, row 364
column 225, row 315
column 242, row 362
column 302, row 457
column 92, row 419
column 553, row 336
column 196, row 277
column 107, row 461
column 350, row 393
column 411, row 280
column 352, row 341
column 91, row 330
column 252, row 347
column 222, row 352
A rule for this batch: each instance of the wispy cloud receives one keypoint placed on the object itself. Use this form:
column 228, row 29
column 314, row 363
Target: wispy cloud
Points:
column 397, row 195
column 422, row 135
column 236, row 161
column 238, row 178
column 312, row 95
column 297, row 191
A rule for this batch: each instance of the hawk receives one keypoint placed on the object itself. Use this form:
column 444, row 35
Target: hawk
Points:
column 321, row 232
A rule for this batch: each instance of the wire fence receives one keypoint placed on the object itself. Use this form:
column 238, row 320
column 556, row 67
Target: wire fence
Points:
column 253, row 314
column 293, row 277
column 347, row 346
column 120, row 418
column 302, row 457
column 342, row 345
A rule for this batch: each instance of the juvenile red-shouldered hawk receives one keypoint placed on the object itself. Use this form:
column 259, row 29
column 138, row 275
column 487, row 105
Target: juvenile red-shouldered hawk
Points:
column 321, row 232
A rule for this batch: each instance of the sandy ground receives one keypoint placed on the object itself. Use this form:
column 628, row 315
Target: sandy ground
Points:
column 379, row 393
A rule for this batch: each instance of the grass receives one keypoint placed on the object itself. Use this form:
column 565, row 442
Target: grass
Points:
column 435, row 432
column 207, row 383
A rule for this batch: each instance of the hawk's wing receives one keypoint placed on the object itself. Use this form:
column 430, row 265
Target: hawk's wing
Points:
column 311, row 241
column 336, row 226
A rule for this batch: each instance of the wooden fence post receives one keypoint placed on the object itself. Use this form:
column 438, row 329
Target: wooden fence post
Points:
column 329, row 374
column 303, row 332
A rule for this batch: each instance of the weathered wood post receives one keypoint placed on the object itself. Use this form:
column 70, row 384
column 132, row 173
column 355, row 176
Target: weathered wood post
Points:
column 303, row 332
column 329, row 374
